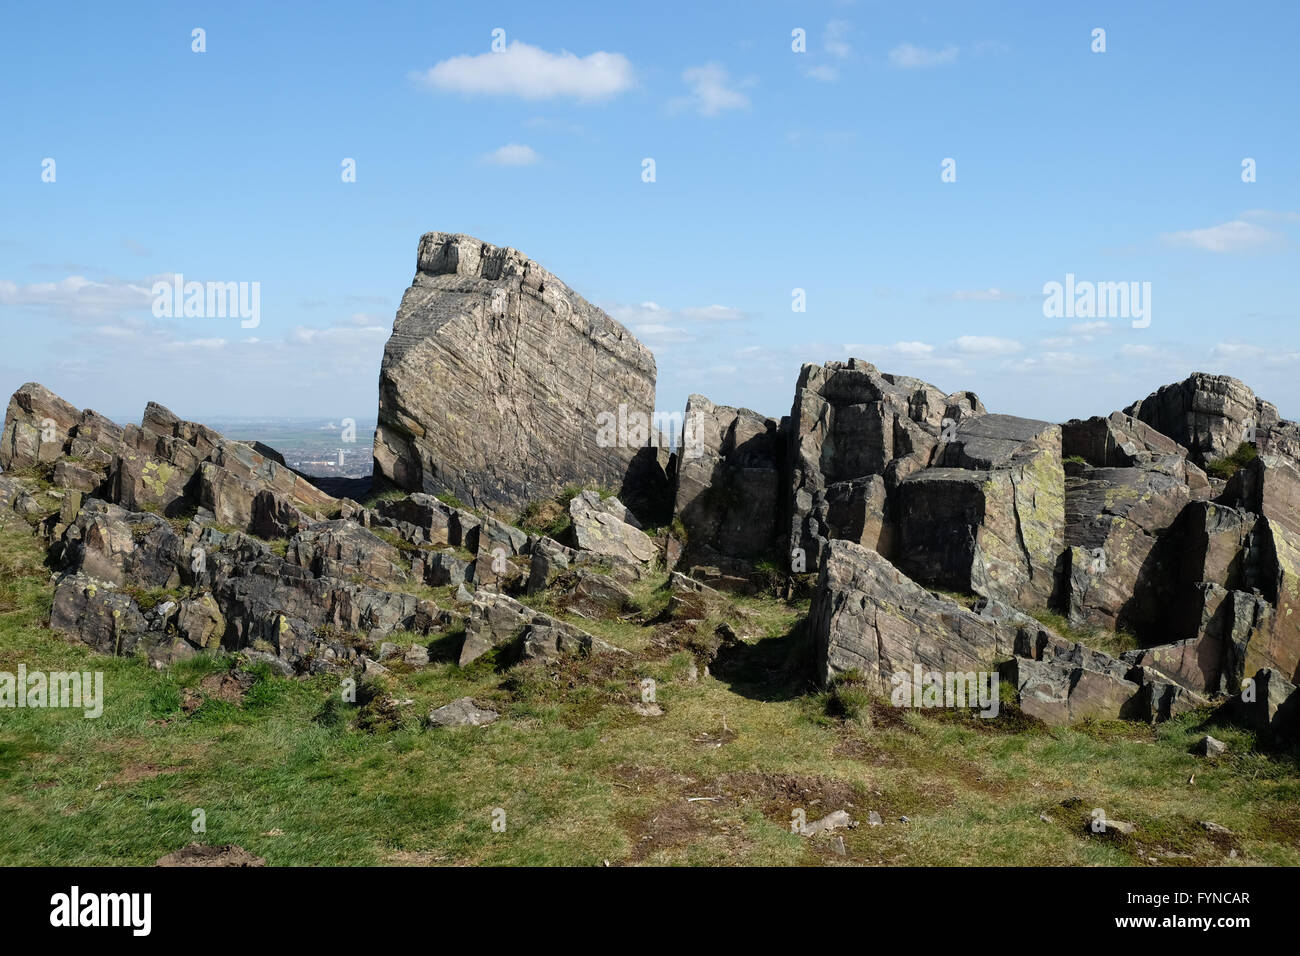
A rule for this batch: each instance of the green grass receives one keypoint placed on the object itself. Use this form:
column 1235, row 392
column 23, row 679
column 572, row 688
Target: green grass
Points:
column 1229, row 465
column 1109, row 642
column 295, row 774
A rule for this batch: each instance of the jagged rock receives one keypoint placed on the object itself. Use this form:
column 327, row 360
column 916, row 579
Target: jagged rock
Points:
column 1212, row 414
column 495, row 620
column 38, row 425
column 461, row 713
column 344, row 549
column 600, row 526
column 103, row 618
column 728, row 495
column 108, row 543
column 495, row 377
column 417, row 655
column 849, row 421
column 990, row 520
column 1269, row 704
column 73, row 476
column 597, row 592
column 1209, row 746
column 446, row 567
column 200, row 622
column 1060, row 692
column 1114, row 575
column 869, row 617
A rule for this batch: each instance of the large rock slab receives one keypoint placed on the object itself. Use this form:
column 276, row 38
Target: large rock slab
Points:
column 991, row 521
column 728, row 495
column 849, row 422
column 1212, row 414
column 605, row 527
column 495, row 379
column 1114, row 575
column 869, row 617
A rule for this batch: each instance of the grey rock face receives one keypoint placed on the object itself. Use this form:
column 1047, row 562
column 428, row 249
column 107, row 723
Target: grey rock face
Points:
column 870, row 617
column 603, row 527
column 494, row 379
column 849, row 422
column 1212, row 414
column 989, row 519
column 728, row 495
column 1115, row 575
column 461, row 713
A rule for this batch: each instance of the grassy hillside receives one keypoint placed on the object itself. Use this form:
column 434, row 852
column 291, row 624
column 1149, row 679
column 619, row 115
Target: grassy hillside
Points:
column 283, row 768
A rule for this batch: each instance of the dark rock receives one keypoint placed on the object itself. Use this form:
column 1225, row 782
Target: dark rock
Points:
column 498, row 378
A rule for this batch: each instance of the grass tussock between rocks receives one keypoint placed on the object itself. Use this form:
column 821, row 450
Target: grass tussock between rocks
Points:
column 743, row 743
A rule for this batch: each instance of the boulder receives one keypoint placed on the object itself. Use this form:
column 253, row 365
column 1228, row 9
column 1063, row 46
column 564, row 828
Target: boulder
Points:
column 1212, row 415
column 601, row 526
column 989, row 518
column 461, row 713
column 499, row 383
column 1114, row 576
column 495, row 620
column 849, row 421
column 867, row 616
column 728, row 496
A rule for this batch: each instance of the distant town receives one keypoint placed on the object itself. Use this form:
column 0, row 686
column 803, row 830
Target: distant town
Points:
column 327, row 448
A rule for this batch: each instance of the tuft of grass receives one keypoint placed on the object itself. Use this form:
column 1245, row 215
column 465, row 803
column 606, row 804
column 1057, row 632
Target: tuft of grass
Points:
column 1229, row 465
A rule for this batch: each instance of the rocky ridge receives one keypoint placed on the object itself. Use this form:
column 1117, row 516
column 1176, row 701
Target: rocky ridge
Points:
column 927, row 530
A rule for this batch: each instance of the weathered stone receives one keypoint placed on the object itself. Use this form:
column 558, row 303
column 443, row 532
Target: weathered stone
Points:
column 1212, row 414
column 201, row 622
column 461, row 713
column 495, row 377
column 1268, row 704
column 109, row 543
column 344, row 549
column 1060, row 692
column 1114, row 575
column 867, row 616
column 597, row 527
column 38, row 425
column 849, row 421
column 103, row 618
column 495, row 620
column 728, row 495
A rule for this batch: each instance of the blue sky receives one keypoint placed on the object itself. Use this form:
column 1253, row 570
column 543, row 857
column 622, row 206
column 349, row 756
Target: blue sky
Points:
column 774, row 171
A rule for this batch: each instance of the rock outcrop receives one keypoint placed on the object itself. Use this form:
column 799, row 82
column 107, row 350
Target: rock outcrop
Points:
column 728, row 492
column 501, row 385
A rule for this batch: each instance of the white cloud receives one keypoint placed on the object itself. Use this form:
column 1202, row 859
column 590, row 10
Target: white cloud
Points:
column 908, row 56
column 985, row 345
column 824, row 72
column 512, row 154
column 531, row 73
column 79, row 297
column 1087, row 328
column 713, row 313
column 982, row 295
column 712, row 91
column 1235, row 236
column 1139, row 351
column 1271, row 215
column 834, row 38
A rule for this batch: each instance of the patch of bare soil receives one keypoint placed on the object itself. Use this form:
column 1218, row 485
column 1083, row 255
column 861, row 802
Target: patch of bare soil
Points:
column 197, row 854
